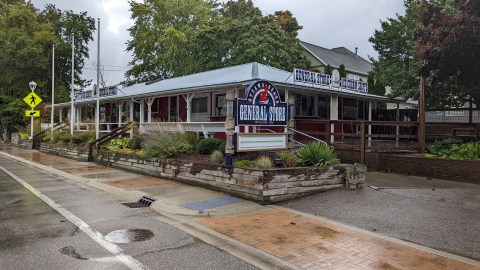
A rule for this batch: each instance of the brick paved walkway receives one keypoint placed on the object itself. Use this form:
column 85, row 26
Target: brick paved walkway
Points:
column 313, row 244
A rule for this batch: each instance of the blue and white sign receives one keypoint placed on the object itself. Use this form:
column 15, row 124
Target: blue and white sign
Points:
column 333, row 82
column 261, row 105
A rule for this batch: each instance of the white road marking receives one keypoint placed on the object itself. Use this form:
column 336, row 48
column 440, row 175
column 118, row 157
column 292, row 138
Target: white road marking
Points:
column 128, row 260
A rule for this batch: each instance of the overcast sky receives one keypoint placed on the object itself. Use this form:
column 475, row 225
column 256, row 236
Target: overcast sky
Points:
column 326, row 23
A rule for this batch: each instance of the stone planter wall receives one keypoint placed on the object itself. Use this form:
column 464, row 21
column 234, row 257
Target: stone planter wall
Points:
column 65, row 150
column 17, row 141
column 447, row 169
column 264, row 186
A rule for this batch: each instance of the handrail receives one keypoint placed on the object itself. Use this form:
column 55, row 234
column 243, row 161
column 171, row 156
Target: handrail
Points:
column 306, row 135
column 114, row 133
column 290, row 139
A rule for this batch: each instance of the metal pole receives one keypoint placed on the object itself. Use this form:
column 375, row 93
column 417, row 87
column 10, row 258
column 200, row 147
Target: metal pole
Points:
column 421, row 116
column 97, row 112
column 31, row 128
column 53, row 92
column 72, row 111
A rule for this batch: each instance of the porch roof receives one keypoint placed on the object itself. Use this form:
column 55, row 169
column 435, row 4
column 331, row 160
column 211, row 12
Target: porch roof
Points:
column 219, row 79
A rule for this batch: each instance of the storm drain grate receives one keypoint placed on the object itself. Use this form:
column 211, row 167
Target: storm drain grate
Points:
column 143, row 202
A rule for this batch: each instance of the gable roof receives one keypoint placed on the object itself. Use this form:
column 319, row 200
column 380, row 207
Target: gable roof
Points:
column 337, row 56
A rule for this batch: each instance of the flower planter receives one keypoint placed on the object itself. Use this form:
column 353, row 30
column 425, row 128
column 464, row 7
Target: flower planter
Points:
column 264, row 186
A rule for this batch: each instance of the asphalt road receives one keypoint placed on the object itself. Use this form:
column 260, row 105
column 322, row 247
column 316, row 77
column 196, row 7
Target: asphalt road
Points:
column 35, row 236
column 439, row 214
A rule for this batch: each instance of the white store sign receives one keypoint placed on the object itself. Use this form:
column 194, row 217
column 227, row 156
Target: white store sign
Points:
column 261, row 141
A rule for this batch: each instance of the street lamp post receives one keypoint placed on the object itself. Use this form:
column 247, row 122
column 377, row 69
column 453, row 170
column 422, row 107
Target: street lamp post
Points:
column 32, row 86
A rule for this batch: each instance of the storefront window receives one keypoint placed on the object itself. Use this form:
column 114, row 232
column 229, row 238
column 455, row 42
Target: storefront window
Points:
column 220, row 105
column 200, row 105
column 304, row 105
column 324, row 107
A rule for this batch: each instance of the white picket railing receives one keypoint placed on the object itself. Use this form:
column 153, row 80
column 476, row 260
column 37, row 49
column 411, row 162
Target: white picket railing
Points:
column 207, row 128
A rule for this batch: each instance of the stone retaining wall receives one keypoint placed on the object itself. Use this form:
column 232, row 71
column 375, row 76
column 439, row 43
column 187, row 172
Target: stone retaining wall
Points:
column 17, row 141
column 65, row 150
column 264, row 186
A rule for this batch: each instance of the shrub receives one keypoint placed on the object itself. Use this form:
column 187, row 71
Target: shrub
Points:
column 316, row 154
column 288, row 158
column 263, row 163
column 243, row 163
column 454, row 149
column 166, row 145
column 62, row 137
column 222, row 146
column 82, row 137
column 135, row 143
column 208, row 145
column 24, row 136
column 116, row 144
column 217, row 157
column 189, row 137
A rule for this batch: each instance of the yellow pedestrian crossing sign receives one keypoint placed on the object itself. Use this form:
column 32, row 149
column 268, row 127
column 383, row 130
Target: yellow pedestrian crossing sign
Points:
column 32, row 100
column 32, row 113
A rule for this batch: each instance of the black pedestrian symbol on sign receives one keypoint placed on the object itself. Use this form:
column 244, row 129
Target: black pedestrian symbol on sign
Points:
column 33, row 99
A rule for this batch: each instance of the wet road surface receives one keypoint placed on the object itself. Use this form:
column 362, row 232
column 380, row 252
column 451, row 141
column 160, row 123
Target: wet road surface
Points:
column 35, row 236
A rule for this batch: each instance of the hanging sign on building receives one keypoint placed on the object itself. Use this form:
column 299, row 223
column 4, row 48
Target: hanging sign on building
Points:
column 261, row 105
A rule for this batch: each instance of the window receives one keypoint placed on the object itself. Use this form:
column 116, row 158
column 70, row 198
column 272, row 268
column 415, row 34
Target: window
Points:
column 354, row 77
column 220, row 105
column 324, row 107
column 200, row 105
column 304, row 105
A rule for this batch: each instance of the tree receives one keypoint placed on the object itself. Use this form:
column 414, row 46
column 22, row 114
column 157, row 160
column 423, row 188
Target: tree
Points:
column 342, row 71
column 396, row 44
column 163, row 37
column 26, row 39
column 234, row 33
column 64, row 24
column 328, row 70
column 449, row 48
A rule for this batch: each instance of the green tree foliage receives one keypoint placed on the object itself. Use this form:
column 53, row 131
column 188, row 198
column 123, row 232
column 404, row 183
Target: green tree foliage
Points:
column 26, row 39
column 449, row 48
column 328, row 70
column 174, row 38
column 163, row 37
column 342, row 71
column 64, row 24
column 395, row 44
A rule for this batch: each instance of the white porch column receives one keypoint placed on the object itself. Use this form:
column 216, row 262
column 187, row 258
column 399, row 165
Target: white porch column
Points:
column 188, row 99
column 79, row 116
column 286, row 100
column 120, row 111
column 131, row 110
column 333, row 114
column 142, row 110
column 371, row 104
column 60, row 116
column 149, row 108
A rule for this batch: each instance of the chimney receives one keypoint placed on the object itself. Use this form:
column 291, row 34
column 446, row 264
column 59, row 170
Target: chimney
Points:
column 356, row 52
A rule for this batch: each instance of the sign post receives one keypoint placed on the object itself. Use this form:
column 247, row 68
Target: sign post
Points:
column 32, row 100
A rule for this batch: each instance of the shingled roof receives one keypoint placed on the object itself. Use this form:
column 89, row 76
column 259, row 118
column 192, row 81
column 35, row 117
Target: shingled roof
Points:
column 337, row 56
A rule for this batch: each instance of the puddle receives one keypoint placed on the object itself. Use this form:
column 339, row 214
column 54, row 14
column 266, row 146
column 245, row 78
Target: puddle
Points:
column 70, row 251
column 129, row 236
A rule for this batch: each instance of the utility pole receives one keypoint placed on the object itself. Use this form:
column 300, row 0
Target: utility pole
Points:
column 97, row 112
column 72, row 95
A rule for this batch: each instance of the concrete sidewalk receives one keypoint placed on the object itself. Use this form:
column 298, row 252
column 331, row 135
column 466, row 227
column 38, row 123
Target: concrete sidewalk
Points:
column 291, row 239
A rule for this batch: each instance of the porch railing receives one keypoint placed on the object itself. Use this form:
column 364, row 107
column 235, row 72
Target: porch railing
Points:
column 207, row 128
